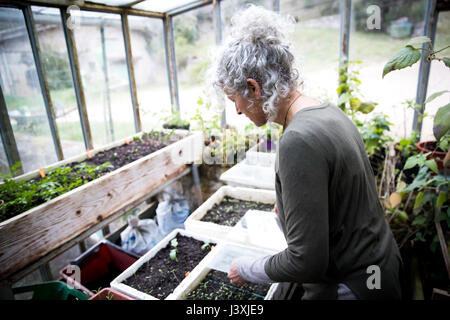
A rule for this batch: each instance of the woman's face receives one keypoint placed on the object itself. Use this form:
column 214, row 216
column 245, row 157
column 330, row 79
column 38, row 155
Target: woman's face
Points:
column 252, row 111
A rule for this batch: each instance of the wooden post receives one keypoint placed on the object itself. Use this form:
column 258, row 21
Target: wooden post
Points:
column 76, row 75
column 42, row 77
column 131, row 75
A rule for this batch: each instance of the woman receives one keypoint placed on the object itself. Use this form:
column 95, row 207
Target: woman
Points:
column 339, row 243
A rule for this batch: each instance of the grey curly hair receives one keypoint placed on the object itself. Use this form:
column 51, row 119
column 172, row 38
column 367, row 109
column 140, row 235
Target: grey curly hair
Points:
column 258, row 49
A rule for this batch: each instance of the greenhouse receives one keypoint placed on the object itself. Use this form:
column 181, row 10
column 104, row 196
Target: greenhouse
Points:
column 225, row 150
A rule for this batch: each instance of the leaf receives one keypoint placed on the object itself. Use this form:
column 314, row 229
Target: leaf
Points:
column 367, row 107
column 432, row 165
column 441, row 199
column 420, row 220
column 446, row 61
column 343, row 98
column 447, row 157
column 418, row 201
column 173, row 254
column 395, row 199
column 402, row 59
column 435, row 95
column 418, row 40
column 410, row 162
column 355, row 103
column 441, row 123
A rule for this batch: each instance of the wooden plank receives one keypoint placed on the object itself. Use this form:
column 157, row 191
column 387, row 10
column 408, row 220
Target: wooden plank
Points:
column 48, row 226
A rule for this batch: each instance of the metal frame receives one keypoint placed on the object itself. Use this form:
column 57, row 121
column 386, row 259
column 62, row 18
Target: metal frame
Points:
column 130, row 69
column 35, row 47
column 431, row 21
column 345, row 9
column 77, row 83
column 169, row 43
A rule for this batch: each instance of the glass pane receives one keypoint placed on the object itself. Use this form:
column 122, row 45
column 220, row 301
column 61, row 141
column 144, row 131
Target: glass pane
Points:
column 228, row 8
column 374, row 45
column 316, row 44
column 162, row 6
column 150, row 69
column 56, row 62
column 194, row 37
column 22, row 93
column 439, row 74
column 4, row 166
column 103, row 68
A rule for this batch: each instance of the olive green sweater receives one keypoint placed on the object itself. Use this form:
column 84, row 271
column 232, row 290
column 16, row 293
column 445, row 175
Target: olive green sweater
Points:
column 329, row 210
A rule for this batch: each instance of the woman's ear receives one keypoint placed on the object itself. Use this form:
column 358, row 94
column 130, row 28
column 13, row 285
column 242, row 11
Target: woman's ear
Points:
column 254, row 89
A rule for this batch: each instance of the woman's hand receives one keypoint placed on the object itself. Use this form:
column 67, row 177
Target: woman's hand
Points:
column 233, row 275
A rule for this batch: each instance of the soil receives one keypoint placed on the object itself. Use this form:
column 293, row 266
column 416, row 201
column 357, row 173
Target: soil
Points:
column 138, row 148
column 229, row 211
column 161, row 275
column 216, row 286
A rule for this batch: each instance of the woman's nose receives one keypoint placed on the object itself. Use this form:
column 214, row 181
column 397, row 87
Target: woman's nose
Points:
column 237, row 109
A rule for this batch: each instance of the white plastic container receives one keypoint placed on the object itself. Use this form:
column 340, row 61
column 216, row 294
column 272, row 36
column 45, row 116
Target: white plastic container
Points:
column 256, row 171
column 220, row 259
column 194, row 224
column 132, row 292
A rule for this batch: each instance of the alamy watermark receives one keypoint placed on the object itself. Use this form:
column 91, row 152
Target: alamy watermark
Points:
column 373, row 21
column 74, row 20
column 374, row 280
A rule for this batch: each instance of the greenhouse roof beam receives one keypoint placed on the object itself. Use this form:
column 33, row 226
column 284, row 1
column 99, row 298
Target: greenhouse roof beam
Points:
column 188, row 7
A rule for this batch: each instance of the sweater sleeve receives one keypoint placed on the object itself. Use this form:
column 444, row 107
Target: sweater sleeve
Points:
column 303, row 174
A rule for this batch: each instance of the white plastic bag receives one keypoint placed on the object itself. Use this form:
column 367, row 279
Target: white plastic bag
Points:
column 140, row 235
column 172, row 215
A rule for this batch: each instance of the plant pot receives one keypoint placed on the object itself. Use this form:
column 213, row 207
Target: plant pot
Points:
column 194, row 224
column 220, row 259
column 438, row 156
column 52, row 290
column 99, row 266
column 110, row 294
column 149, row 260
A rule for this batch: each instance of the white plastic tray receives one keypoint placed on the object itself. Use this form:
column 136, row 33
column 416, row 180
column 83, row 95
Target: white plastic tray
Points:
column 235, row 250
column 193, row 222
column 246, row 174
column 132, row 292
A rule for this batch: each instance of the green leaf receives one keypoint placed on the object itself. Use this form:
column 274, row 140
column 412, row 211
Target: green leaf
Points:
column 343, row 98
column 173, row 254
column 367, row 107
column 420, row 220
column 435, row 95
column 432, row 165
column 418, row 40
column 418, row 201
column 410, row 162
column 441, row 124
column 355, row 103
column 446, row 61
column 402, row 59
column 441, row 199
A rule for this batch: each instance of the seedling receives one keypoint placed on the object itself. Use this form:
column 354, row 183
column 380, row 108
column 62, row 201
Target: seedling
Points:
column 206, row 246
column 174, row 251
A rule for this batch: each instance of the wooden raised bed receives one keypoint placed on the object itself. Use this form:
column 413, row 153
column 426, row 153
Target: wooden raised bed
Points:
column 31, row 235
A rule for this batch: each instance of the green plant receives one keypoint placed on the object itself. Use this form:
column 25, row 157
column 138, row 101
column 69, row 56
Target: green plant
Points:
column 174, row 251
column 175, row 120
column 374, row 135
column 20, row 196
column 350, row 97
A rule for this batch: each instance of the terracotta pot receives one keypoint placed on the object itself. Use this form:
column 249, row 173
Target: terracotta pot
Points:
column 438, row 156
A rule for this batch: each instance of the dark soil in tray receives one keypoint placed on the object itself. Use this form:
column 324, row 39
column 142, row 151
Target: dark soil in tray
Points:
column 161, row 275
column 216, row 286
column 229, row 211
column 137, row 148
